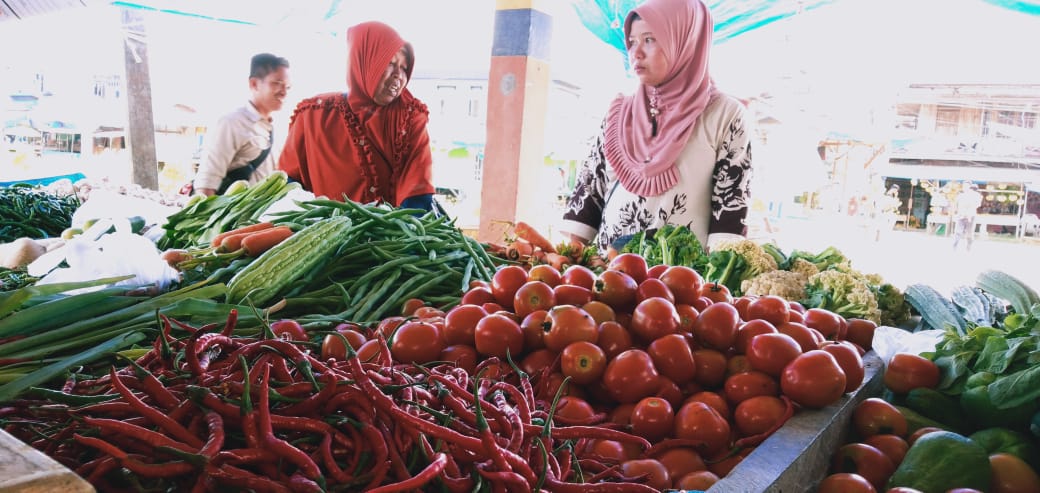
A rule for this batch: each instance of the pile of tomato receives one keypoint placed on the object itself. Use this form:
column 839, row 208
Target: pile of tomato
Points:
column 654, row 351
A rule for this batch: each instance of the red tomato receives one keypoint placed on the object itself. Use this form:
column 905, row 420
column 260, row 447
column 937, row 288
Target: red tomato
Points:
column 653, row 288
column 759, row 414
column 723, row 462
column 583, row 361
column 716, row 326
column 687, row 316
column 656, row 271
column 534, row 326
column 656, row 474
column 908, row 371
column 711, row 367
column 614, row 339
column 389, row 325
column 669, row 391
column 493, row 307
column 462, row 356
column 538, row 360
column 533, row 296
column 410, row 305
column 861, row 332
column 867, row 461
column 579, row 275
column 716, row 292
column 1012, row 475
column 893, row 446
column 426, row 313
column 684, row 282
column 332, row 346
column 574, row 409
column 616, row 289
column 770, row 308
column 653, row 419
column 673, row 357
column 416, row 342
column 600, row 311
column 567, row 324
column 696, row 481
column 609, row 451
column 289, row 330
column 631, row 376
column 813, row 379
column 770, row 353
column 681, row 461
column 505, row 282
column 478, row 296
column 569, row 294
column 713, row 399
column 654, row 318
column 796, row 316
column 850, row 362
column 920, row 432
column 740, row 387
column 750, row 329
column 742, row 303
column 845, row 482
column 496, row 335
column 700, row 422
column 461, row 322
column 545, row 273
column 800, row 333
column 702, row 303
column 632, row 264
column 622, row 414
column 875, row 416
column 369, row 351
column 825, row 321
column 737, row 363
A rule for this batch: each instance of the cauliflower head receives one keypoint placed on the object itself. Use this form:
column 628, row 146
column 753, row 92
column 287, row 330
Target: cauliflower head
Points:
column 758, row 260
column 804, row 267
column 843, row 293
column 788, row 285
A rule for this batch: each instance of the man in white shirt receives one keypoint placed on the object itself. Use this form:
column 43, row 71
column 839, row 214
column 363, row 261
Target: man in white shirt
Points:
column 965, row 208
column 239, row 145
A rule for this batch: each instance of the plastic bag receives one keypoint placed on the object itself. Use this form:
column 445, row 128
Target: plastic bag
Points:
column 110, row 255
column 891, row 340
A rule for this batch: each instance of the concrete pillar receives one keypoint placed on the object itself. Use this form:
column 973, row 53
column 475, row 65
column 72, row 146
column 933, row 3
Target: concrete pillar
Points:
column 518, row 88
column 141, row 131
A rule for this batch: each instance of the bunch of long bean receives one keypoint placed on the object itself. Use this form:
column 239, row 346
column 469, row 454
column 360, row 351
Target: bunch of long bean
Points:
column 31, row 212
column 388, row 256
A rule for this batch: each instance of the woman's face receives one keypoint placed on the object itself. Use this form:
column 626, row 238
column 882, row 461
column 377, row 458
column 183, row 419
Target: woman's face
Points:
column 645, row 54
column 393, row 80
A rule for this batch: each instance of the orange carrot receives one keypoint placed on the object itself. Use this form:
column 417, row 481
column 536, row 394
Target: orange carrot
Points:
column 524, row 231
column 234, row 242
column 244, row 229
column 262, row 241
column 519, row 249
column 556, row 260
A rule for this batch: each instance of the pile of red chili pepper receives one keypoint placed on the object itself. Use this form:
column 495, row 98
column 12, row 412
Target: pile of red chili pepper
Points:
column 211, row 411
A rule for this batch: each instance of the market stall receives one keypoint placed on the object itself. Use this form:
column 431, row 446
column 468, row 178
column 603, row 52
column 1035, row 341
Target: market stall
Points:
column 287, row 341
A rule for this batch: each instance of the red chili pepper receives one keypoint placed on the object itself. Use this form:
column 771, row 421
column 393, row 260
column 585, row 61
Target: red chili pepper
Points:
column 380, row 453
column 591, row 432
column 557, row 486
column 155, row 416
column 216, row 435
column 229, row 326
column 428, row 474
column 198, row 344
column 509, row 480
column 157, row 470
column 671, row 443
column 300, row 484
column 138, row 433
column 332, row 468
column 233, row 476
column 153, row 387
column 281, row 447
column 107, row 464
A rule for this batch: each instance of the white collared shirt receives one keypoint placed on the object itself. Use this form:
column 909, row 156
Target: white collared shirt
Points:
column 236, row 139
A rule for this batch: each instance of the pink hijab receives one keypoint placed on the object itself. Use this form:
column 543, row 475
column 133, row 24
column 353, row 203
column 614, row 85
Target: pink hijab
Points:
column 645, row 165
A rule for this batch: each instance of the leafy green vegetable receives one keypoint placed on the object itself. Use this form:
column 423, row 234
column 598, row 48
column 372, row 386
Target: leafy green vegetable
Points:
column 830, row 257
column 726, row 267
column 669, row 245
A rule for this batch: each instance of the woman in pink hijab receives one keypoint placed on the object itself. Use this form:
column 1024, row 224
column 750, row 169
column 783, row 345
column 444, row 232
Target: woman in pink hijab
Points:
column 677, row 151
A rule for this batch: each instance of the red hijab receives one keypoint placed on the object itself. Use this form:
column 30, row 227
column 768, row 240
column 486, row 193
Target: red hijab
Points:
column 645, row 165
column 348, row 146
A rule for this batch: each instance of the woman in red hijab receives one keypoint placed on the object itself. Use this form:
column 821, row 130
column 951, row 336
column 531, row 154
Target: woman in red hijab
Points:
column 677, row 151
column 370, row 144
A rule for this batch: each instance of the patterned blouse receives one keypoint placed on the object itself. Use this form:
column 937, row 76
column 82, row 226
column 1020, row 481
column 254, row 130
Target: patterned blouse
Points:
column 711, row 197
